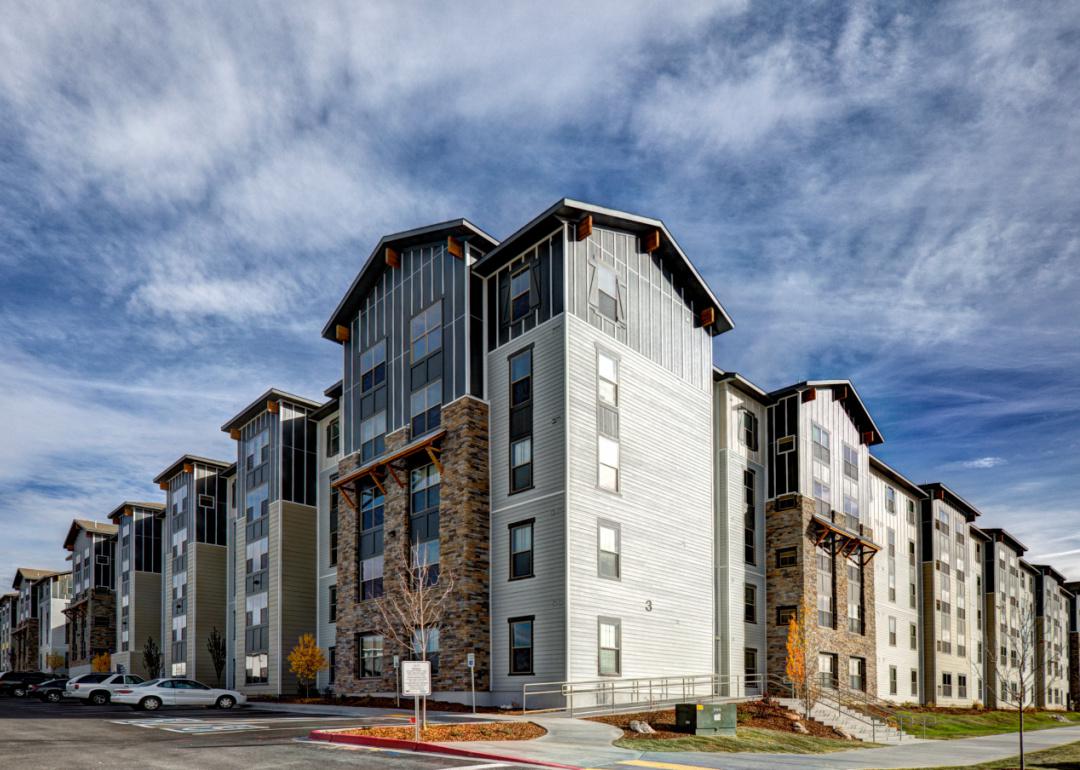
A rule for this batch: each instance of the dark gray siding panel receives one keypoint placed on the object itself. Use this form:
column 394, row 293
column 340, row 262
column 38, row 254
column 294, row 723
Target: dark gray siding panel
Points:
column 545, row 259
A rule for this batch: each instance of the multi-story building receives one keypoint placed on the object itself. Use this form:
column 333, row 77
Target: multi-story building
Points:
column 819, row 538
column 1073, row 588
column 739, row 530
column 138, row 578
column 1051, row 638
column 52, row 594
column 9, row 604
column 894, row 517
column 328, row 418
column 194, row 577
column 25, row 634
column 91, row 614
column 1009, row 612
column 231, row 558
column 274, row 539
column 952, row 602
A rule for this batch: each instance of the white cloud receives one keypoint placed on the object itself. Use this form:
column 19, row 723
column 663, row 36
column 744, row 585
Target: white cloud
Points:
column 983, row 462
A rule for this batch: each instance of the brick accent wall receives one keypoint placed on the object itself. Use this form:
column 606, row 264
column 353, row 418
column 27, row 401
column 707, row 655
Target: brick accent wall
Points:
column 794, row 585
column 24, row 646
column 464, row 553
column 91, row 626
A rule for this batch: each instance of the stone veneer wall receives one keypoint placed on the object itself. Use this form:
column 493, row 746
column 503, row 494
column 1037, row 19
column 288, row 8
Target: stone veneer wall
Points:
column 91, row 620
column 1074, row 669
column 792, row 586
column 464, row 552
column 24, row 646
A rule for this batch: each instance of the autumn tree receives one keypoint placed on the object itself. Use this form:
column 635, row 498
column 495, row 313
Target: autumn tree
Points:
column 306, row 661
column 101, row 663
column 151, row 656
column 215, row 645
column 54, row 660
column 797, row 667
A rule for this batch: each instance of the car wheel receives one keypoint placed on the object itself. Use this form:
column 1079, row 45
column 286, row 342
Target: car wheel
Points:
column 52, row 696
column 19, row 692
column 99, row 698
column 150, row 704
column 226, row 702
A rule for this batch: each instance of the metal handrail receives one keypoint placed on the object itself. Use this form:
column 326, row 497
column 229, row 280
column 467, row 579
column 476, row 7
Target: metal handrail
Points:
column 832, row 697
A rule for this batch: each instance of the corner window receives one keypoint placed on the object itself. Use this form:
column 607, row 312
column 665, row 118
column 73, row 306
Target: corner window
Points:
column 609, row 653
column 426, row 409
column 373, row 436
column 521, row 550
column 609, row 547
column 425, row 331
column 748, row 425
column 520, row 291
column 373, row 366
column 521, row 645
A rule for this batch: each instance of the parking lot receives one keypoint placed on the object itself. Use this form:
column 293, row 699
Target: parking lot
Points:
column 71, row 735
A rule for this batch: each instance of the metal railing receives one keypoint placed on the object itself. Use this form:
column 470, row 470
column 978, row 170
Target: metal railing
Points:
column 611, row 695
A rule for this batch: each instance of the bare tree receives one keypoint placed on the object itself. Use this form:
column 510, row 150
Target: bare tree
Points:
column 416, row 597
column 1017, row 669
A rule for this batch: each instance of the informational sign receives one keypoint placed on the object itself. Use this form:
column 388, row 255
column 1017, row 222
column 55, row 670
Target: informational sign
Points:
column 470, row 660
column 416, row 677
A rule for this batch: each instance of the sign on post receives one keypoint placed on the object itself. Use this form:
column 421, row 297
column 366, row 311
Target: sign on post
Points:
column 416, row 678
column 470, row 661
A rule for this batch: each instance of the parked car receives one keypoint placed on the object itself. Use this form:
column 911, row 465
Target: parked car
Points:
column 18, row 683
column 98, row 688
column 51, row 691
column 152, row 695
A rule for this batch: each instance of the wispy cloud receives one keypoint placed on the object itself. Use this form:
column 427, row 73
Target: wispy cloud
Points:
column 983, row 462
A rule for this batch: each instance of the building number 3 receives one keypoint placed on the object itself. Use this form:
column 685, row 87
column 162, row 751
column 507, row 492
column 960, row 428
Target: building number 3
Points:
column 648, row 605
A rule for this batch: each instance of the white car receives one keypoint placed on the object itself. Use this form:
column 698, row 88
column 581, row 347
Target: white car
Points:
column 98, row 689
column 152, row 695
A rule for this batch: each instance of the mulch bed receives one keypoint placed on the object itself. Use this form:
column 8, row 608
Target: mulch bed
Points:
column 481, row 731
column 763, row 714
column 378, row 703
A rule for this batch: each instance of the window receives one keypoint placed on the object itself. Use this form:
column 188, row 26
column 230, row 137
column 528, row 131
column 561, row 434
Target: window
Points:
column 748, row 423
column 257, row 560
column 608, row 453
column 521, row 460
column 607, row 379
column 851, row 462
column 787, row 557
column 750, row 603
column 892, row 680
column 607, row 292
column 425, row 486
column 520, row 287
column 610, row 644
column 333, row 604
column 961, row 685
column 335, row 502
column 784, row 616
column 371, row 577
column 857, row 674
column 425, row 330
column 946, row 685
column 855, row 599
column 911, row 512
column 521, row 550
column 820, row 441
column 826, row 586
column 827, row 673
column 609, row 547
column 256, row 668
column 333, row 664
column 890, row 500
column 750, row 517
column 426, row 408
column 333, row 437
column 913, row 636
column 521, row 465
column 521, row 645
column 428, row 642
column 256, row 610
column 373, row 431
column 373, row 366
column 914, row 681
column 892, row 633
column 369, row 658
column 750, row 666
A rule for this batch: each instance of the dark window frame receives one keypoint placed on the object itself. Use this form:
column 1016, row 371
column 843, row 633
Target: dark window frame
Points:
column 512, row 658
column 512, row 561
column 521, row 476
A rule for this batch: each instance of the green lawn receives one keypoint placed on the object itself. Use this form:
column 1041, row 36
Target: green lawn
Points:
column 944, row 726
column 1065, row 757
column 748, row 739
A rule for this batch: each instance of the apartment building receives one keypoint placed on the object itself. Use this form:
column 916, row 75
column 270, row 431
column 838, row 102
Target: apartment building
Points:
column 894, row 519
column 194, row 577
column 273, row 581
column 91, row 614
column 52, row 594
column 1051, row 643
column 25, row 634
column 328, row 420
column 952, row 602
column 138, row 577
column 819, row 538
column 739, row 418
column 9, row 603
column 1009, row 612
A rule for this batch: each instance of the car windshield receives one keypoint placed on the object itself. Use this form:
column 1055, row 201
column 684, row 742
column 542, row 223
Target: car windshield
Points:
column 149, row 683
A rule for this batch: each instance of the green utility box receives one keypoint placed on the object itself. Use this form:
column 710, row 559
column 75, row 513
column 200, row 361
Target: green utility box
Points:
column 706, row 718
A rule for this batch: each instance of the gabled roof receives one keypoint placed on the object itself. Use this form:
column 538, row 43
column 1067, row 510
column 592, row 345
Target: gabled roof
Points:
column 96, row 527
column 258, row 406
column 120, row 510
column 53, row 576
column 879, row 465
column 1049, row 571
column 568, row 210
column 375, row 263
column 178, row 465
column 852, row 402
column 743, row 384
column 935, row 488
column 1029, row 566
column 31, row 575
column 1003, row 536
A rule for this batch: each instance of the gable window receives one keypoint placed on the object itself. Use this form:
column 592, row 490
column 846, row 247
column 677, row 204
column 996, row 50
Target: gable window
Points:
column 425, row 331
column 373, row 436
column 851, row 462
column 748, row 425
column 521, row 456
column 426, row 408
column 607, row 292
column 333, row 437
column 890, row 500
column 609, row 546
column 520, row 288
column 820, row 439
column 750, row 603
column 609, row 645
column 373, row 366
column 521, row 550
column 521, row 645
column 750, row 517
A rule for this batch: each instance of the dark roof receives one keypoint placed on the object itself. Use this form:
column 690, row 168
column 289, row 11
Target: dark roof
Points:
column 118, row 511
column 1028, row 566
column 97, row 527
column 33, row 575
column 177, row 466
column 334, row 391
column 375, row 264
column 743, row 384
column 258, row 406
column 1049, row 571
column 876, row 463
column 970, row 511
column 854, row 404
column 572, row 210
column 1004, row 536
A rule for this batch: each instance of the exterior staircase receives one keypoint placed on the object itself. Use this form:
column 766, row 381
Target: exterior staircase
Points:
column 855, row 723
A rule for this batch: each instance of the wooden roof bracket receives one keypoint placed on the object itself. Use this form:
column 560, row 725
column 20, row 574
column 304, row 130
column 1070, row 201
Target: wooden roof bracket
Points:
column 348, row 497
column 434, row 459
column 378, row 484
column 393, row 474
column 584, row 228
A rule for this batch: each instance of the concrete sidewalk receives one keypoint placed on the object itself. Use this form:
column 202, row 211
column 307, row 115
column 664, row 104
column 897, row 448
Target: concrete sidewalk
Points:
column 575, row 742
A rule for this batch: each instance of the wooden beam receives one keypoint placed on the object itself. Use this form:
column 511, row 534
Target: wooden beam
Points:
column 650, row 242
column 393, row 474
column 809, row 394
column 434, row 460
column 584, row 228
column 455, row 247
column 393, row 259
column 868, row 437
column 189, row 468
column 840, row 392
column 708, row 316
column 272, row 406
column 378, row 484
column 341, row 333
column 164, row 485
column 348, row 498
column 234, row 434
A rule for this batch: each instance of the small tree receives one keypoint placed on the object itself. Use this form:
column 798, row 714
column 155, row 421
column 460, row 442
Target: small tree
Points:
column 101, row 663
column 151, row 656
column 1019, row 667
column 54, row 660
column 306, row 661
column 215, row 645
column 797, row 667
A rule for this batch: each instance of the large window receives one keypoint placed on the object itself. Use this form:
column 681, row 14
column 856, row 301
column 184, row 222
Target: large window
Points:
column 371, row 577
column 609, row 647
column 521, row 390
column 851, row 462
column 607, row 396
column 820, row 440
column 373, row 434
column 521, row 550
column 256, row 668
column 257, row 553
column 425, row 331
column 424, row 523
column 426, row 408
column 826, row 586
column 335, row 504
column 855, row 599
column 371, row 543
column 373, row 366
column 609, row 550
column 369, row 655
column 520, row 294
column 256, row 610
column 749, row 517
column 521, row 645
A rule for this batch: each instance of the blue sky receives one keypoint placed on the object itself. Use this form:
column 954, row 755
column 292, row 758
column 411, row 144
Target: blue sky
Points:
column 886, row 193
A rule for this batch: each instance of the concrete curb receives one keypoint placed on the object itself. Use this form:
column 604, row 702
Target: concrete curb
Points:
column 333, row 736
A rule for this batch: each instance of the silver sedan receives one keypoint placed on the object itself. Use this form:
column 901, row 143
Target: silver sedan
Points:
column 152, row 695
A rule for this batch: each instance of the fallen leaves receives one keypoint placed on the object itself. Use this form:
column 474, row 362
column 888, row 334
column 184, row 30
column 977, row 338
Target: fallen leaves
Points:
column 466, row 731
